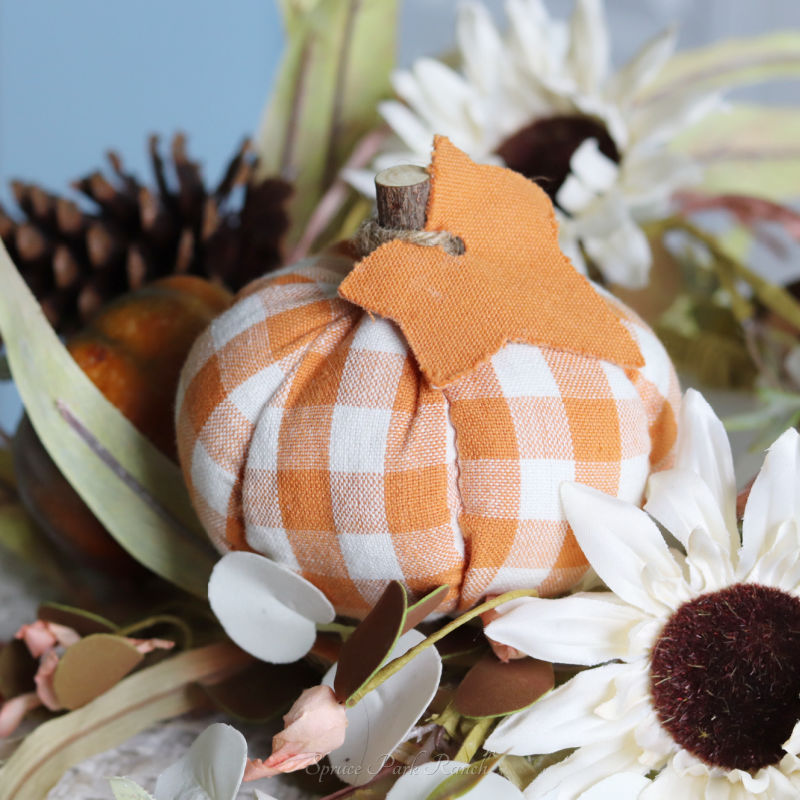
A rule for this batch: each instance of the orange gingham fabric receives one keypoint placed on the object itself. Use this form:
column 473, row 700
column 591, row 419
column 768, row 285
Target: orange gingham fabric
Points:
column 308, row 433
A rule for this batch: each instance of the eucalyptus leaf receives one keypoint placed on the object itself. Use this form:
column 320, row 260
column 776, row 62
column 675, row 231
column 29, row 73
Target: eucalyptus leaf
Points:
column 747, row 149
column 159, row 692
column 135, row 491
column 730, row 63
column 335, row 70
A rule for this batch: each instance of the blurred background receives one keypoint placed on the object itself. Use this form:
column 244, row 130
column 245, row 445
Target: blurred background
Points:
column 79, row 77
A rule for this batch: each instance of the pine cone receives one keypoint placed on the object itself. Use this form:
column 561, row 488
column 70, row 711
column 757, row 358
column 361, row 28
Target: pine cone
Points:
column 75, row 261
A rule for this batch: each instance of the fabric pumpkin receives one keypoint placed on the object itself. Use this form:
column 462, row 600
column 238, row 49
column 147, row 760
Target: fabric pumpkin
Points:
column 411, row 416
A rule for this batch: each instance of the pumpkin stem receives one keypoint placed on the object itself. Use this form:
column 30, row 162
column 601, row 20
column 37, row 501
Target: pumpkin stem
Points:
column 403, row 197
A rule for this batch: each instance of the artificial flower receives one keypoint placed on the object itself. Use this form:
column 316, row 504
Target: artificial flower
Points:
column 212, row 769
column 695, row 652
column 250, row 594
column 314, row 726
column 421, row 781
column 48, row 641
column 543, row 100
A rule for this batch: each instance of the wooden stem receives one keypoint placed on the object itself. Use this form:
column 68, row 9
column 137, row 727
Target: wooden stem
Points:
column 403, row 197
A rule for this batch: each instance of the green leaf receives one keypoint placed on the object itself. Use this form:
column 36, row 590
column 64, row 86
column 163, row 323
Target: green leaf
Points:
column 749, row 149
column 465, row 780
column 135, row 491
column 730, row 63
column 126, row 789
column 335, row 70
column 140, row 700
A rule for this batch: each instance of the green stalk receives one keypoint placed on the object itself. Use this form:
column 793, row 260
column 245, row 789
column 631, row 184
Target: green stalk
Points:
column 395, row 666
column 475, row 739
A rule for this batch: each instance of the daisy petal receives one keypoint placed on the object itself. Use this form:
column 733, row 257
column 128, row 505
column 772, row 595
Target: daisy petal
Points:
column 643, row 67
column 586, row 768
column 703, row 448
column 565, row 717
column 623, row 786
column 682, row 502
column 669, row 785
column 580, row 629
column 619, row 540
column 406, row 125
column 422, row 780
column 595, row 170
column 623, row 255
column 268, row 610
column 589, row 46
column 774, row 498
column 482, row 48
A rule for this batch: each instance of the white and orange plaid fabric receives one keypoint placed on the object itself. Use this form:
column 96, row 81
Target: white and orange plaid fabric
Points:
column 308, row 433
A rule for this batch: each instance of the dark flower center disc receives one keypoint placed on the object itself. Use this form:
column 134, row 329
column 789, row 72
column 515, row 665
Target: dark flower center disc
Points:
column 542, row 151
column 725, row 675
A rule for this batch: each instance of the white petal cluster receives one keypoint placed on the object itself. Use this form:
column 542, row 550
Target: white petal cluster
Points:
column 606, row 712
column 543, row 68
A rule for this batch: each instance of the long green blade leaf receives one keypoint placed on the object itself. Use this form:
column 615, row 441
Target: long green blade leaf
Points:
column 135, row 491
column 336, row 68
column 750, row 149
column 730, row 63
column 159, row 692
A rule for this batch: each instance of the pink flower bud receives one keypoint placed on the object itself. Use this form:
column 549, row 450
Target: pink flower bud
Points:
column 44, row 681
column 314, row 726
column 504, row 652
column 41, row 636
column 13, row 711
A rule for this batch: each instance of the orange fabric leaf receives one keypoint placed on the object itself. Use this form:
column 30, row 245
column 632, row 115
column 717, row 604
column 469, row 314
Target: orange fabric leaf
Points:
column 513, row 283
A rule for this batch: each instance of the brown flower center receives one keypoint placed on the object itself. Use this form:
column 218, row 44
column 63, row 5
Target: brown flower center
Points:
column 725, row 675
column 542, row 151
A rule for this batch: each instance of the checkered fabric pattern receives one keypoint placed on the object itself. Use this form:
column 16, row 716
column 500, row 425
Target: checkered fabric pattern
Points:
column 307, row 433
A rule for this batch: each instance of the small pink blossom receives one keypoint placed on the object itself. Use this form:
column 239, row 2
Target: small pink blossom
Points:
column 314, row 726
column 44, row 681
column 41, row 636
column 13, row 711
column 504, row 652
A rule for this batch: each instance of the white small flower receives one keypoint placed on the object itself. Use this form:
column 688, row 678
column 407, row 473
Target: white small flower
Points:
column 542, row 100
column 695, row 654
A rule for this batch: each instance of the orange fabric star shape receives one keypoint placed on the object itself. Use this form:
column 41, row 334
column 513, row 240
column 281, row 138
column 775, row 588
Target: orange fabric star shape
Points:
column 512, row 283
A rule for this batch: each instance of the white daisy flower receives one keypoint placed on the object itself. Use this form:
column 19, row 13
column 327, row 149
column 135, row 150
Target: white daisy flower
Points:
column 542, row 100
column 698, row 651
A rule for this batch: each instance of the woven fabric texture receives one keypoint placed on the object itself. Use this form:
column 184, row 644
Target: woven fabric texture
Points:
column 308, row 432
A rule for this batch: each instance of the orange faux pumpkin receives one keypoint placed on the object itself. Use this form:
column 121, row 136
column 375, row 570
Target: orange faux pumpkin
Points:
column 132, row 351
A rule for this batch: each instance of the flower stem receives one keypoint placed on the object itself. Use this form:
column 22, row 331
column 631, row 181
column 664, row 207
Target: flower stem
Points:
column 475, row 739
column 395, row 666
column 159, row 619
column 773, row 297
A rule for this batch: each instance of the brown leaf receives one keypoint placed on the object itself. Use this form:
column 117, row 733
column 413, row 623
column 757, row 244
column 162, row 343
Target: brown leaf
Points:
column 492, row 688
column 371, row 642
column 91, row 667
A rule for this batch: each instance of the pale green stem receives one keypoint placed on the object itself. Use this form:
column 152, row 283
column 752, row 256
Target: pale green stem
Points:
column 395, row 666
column 165, row 619
column 336, row 627
column 773, row 297
column 475, row 739
column 449, row 719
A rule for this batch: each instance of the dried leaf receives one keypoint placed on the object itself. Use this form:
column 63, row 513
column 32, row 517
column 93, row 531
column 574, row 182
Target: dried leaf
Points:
column 424, row 608
column 336, row 68
column 91, row 667
column 371, row 642
column 262, row 690
column 135, row 491
column 748, row 149
column 159, row 692
column 493, row 688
